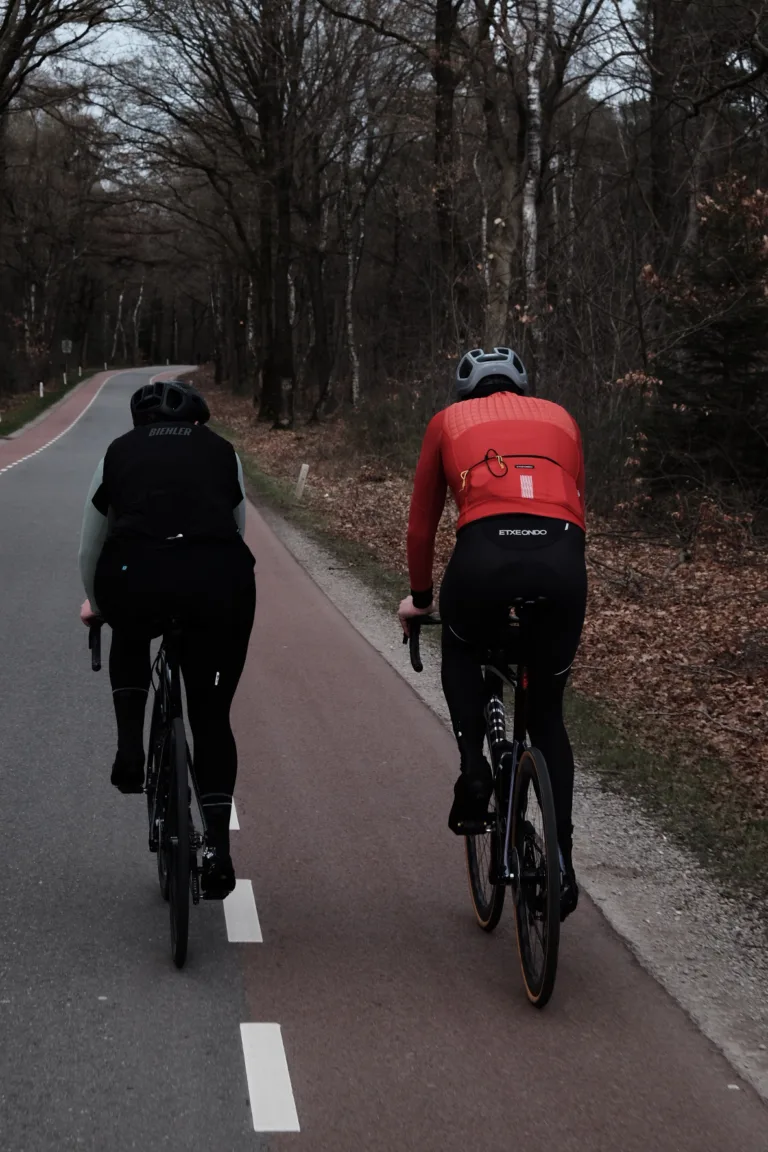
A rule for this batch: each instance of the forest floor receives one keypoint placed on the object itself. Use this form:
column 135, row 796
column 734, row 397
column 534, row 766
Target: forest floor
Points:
column 670, row 688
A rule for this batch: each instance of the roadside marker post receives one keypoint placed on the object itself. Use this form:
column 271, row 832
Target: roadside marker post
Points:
column 303, row 473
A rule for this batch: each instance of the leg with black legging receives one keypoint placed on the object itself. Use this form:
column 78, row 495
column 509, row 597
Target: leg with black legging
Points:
column 464, row 690
column 212, row 661
column 546, row 728
column 129, row 673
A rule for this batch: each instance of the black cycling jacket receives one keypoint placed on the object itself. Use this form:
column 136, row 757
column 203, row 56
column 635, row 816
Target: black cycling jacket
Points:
column 162, row 482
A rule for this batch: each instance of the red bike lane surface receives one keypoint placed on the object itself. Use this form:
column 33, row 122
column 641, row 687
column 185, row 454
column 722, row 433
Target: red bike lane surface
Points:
column 60, row 418
column 404, row 1025
column 54, row 423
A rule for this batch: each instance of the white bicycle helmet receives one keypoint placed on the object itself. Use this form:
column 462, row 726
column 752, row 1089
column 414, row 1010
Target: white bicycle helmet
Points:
column 477, row 365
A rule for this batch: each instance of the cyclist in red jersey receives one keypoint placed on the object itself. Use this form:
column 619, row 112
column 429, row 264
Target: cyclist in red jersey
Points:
column 515, row 467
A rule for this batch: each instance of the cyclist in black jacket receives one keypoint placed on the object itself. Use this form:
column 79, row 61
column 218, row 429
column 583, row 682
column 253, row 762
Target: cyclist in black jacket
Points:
column 162, row 538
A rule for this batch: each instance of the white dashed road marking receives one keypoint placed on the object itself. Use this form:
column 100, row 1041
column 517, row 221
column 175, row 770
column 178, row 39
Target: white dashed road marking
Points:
column 273, row 1107
column 69, row 427
column 241, row 916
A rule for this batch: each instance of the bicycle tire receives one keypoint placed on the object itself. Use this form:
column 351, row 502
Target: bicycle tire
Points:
column 177, row 839
column 537, row 870
column 483, row 856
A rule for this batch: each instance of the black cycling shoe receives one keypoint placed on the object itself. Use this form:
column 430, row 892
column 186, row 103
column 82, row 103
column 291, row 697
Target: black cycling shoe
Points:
column 128, row 773
column 218, row 874
column 472, row 792
column 569, row 889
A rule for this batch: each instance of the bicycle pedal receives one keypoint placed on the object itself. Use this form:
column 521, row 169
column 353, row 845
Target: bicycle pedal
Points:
column 477, row 827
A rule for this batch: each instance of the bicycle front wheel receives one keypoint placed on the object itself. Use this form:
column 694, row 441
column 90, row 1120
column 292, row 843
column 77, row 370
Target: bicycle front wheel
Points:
column 178, row 847
column 537, row 893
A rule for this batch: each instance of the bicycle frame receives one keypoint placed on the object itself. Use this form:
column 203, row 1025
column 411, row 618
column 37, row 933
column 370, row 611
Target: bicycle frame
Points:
column 166, row 680
column 166, row 668
column 496, row 673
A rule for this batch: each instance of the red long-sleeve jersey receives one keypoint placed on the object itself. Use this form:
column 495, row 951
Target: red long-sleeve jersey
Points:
column 498, row 454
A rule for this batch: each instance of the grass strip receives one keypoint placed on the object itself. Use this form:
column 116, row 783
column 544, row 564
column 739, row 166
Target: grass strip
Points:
column 21, row 411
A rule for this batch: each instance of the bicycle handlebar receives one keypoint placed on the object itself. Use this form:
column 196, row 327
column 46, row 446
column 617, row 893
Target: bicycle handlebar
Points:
column 412, row 640
column 94, row 643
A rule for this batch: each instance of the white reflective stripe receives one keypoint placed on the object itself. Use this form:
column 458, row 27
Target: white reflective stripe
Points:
column 565, row 670
column 526, row 486
column 273, row 1107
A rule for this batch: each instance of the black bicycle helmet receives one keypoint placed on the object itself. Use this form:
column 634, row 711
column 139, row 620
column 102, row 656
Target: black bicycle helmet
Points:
column 476, row 366
column 171, row 400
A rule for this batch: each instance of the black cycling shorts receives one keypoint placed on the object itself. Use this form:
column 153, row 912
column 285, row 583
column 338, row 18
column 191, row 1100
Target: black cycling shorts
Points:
column 500, row 558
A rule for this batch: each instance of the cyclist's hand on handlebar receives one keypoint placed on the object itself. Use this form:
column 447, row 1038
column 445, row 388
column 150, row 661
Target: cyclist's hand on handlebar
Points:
column 407, row 612
column 87, row 614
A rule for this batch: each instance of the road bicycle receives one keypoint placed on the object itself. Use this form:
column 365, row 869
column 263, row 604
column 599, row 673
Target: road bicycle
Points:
column 170, row 787
column 515, row 849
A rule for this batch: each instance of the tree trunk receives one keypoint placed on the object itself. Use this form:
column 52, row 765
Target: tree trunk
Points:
column 536, row 36
column 691, row 238
column 485, row 267
column 118, row 331
column 504, row 246
column 349, row 300
column 136, row 325
column 321, row 349
column 269, row 396
column 284, row 363
column 532, row 184
column 446, row 80
column 666, row 27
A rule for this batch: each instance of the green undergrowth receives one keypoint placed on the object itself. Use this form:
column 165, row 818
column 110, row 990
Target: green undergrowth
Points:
column 690, row 797
column 17, row 411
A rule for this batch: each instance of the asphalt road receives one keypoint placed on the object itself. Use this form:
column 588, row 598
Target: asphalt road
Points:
column 401, row 1025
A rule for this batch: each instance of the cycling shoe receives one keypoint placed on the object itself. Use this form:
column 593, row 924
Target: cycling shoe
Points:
column 569, row 890
column 128, row 773
column 472, row 792
column 218, row 874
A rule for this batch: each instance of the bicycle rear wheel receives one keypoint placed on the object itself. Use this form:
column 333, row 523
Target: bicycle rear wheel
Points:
column 537, row 896
column 176, row 837
column 483, row 853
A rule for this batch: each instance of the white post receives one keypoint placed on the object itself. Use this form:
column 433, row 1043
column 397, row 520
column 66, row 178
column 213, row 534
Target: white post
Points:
column 303, row 473
column 80, row 371
column 65, row 379
column 42, row 390
column 105, row 365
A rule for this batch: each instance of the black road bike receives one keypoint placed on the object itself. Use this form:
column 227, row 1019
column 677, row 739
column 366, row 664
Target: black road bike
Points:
column 516, row 848
column 170, row 786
